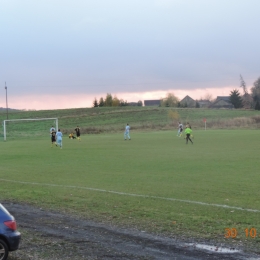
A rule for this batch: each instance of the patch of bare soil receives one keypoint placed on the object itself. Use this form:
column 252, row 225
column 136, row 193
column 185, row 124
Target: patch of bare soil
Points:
column 52, row 235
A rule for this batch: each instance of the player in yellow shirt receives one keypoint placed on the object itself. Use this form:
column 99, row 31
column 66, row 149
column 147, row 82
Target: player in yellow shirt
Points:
column 71, row 136
column 188, row 132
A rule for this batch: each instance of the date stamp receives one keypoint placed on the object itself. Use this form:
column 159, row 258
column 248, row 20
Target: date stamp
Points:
column 248, row 232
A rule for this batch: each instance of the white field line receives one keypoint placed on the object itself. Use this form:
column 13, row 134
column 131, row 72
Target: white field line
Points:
column 133, row 195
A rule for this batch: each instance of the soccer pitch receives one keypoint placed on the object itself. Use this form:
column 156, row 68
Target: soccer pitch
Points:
column 154, row 182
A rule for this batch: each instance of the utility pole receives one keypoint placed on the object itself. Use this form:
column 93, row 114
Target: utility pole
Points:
column 6, row 101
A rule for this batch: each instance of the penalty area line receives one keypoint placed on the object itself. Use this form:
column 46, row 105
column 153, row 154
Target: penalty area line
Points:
column 133, row 195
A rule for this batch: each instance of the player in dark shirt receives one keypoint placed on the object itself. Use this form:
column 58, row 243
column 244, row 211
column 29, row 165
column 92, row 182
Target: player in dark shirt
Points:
column 53, row 138
column 77, row 130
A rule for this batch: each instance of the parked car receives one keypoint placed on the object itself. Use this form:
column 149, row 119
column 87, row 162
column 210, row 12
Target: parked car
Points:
column 9, row 236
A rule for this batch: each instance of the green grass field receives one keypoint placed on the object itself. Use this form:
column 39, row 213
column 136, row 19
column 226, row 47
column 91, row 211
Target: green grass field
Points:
column 102, row 176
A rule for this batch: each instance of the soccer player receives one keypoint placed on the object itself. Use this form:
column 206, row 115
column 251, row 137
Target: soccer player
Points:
column 52, row 129
column 126, row 134
column 180, row 129
column 188, row 132
column 53, row 138
column 77, row 130
column 189, row 126
column 71, row 136
column 59, row 138
column 52, row 134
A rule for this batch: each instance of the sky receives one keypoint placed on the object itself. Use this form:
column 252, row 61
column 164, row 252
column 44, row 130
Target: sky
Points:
column 59, row 54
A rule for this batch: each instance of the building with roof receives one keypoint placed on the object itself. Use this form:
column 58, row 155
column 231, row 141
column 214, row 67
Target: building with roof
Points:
column 204, row 103
column 188, row 102
column 133, row 104
column 155, row 102
column 222, row 102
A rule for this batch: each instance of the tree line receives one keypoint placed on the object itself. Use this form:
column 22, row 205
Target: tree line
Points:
column 113, row 101
column 248, row 99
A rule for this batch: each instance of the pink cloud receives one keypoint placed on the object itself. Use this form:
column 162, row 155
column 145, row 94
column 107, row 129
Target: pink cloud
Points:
column 194, row 93
column 45, row 102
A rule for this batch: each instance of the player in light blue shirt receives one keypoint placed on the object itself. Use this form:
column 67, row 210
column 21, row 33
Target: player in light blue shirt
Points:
column 127, row 130
column 59, row 138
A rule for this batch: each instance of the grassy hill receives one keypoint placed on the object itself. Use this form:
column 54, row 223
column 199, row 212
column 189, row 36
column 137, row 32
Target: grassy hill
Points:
column 113, row 119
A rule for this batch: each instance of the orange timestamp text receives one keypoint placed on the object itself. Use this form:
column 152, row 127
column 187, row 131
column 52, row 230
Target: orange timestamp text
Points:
column 248, row 232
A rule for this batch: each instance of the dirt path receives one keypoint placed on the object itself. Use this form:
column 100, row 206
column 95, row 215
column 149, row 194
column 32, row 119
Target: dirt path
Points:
column 51, row 235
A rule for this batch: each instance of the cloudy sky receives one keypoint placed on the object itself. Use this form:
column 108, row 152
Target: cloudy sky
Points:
column 62, row 53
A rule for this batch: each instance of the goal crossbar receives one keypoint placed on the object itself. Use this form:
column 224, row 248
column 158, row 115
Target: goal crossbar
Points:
column 29, row 119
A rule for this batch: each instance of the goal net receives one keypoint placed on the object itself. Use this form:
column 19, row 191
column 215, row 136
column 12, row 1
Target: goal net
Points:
column 28, row 127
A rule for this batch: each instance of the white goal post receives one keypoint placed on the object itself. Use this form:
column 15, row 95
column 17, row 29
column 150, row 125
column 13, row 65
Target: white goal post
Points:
column 29, row 119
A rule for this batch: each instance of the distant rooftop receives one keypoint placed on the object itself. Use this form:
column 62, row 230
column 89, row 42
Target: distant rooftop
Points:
column 226, row 98
column 155, row 102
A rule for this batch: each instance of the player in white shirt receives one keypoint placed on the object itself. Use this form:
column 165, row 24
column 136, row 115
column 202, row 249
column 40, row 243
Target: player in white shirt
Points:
column 180, row 129
column 127, row 130
column 52, row 129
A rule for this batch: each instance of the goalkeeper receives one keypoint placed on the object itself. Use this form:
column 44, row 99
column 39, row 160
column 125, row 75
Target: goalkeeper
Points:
column 188, row 132
column 71, row 136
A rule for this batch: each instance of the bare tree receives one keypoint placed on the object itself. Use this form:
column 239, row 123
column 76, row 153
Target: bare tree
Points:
column 247, row 99
column 207, row 96
column 243, row 85
column 255, row 93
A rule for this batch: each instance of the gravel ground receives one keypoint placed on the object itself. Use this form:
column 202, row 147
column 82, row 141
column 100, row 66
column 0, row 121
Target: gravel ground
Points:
column 52, row 235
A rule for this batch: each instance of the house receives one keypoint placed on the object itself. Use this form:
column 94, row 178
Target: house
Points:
column 154, row 102
column 133, row 104
column 204, row 103
column 222, row 102
column 188, row 102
